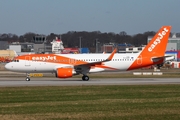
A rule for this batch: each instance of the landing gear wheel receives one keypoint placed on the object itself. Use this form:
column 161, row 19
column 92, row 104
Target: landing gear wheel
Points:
column 85, row 78
column 27, row 79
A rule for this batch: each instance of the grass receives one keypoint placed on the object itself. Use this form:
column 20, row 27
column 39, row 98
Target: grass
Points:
column 127, row 102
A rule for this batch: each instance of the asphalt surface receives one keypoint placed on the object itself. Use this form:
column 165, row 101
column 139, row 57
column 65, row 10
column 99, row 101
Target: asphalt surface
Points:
column 14, row 79
column 44, row 81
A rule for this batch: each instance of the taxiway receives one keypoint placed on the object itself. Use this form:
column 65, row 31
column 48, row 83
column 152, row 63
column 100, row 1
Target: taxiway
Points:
column 16, row 82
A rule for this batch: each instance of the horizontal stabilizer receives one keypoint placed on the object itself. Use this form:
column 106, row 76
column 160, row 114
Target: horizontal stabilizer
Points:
column 155, row 59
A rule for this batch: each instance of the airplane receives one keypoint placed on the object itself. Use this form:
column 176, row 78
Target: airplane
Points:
column 68, row 65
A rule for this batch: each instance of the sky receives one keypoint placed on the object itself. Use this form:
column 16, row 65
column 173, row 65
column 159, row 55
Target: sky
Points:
column 60, row 16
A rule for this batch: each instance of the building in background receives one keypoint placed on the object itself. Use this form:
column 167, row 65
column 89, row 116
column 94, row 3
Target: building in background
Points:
column 107, row 47
column 4, row 45
column 70, row 51
column 57, row 45
column 39, row 44
column 84, row 50
column 15, row 47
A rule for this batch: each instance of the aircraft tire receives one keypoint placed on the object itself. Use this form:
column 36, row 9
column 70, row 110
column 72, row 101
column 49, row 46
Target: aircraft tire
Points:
column 85, row 78
column 27, row 79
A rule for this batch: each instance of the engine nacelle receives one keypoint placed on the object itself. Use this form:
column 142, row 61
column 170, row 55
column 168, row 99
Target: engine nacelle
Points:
column 64, row 72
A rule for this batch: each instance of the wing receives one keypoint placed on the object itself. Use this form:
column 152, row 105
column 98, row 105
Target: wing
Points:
column 99, row 62
column 85, row 67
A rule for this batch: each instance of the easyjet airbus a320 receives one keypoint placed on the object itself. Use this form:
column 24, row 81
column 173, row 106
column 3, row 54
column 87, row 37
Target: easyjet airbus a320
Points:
column 67, row 65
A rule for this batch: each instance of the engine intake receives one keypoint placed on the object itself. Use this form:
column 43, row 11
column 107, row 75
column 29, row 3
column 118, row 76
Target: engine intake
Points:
column 64, row 72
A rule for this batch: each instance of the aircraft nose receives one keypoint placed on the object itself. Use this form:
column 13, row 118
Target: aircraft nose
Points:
column 8, row 66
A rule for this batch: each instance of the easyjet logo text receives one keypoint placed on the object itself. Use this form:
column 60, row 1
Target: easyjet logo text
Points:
column 44, row 58
column 158, row 39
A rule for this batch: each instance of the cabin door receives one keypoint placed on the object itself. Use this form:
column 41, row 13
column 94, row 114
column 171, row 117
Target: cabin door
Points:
column 139, row 60
column 27, row 61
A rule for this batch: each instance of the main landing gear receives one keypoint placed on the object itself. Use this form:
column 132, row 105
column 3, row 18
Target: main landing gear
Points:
column 85, row 78
column 27, row 77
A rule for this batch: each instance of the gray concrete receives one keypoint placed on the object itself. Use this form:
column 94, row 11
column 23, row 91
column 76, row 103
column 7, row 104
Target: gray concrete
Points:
column 14, row 82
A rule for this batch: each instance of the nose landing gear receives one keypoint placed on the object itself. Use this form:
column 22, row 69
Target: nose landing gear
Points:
column 27, row 77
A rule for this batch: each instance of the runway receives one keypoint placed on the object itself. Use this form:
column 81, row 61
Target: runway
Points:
column 16, row 82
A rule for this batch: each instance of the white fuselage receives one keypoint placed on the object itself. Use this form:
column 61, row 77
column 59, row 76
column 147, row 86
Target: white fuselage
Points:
column 118, row 63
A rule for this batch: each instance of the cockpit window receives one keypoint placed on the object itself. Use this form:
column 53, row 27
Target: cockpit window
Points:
column 15, row 60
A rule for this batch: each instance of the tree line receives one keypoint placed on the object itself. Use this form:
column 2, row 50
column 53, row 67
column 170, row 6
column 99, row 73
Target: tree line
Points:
column 87, row 39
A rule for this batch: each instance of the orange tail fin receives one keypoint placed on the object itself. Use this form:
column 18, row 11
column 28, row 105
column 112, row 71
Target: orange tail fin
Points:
column 157, row 45
column 155, row 49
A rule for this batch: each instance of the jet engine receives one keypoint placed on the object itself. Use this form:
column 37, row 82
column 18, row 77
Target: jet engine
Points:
column 64, row 72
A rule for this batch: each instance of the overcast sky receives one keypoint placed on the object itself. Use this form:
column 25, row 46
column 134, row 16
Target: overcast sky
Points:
column 60, row 16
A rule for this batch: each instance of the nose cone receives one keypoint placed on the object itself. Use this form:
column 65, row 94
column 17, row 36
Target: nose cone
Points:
column 8, row 66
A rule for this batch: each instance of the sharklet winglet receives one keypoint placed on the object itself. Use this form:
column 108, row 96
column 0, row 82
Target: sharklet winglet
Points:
column 112, row 54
